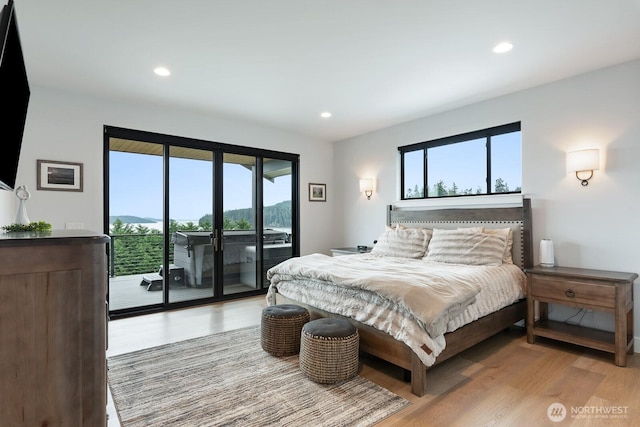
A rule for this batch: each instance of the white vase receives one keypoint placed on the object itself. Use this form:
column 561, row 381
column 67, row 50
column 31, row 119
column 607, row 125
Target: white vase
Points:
column 547, row 257
column 23, row 194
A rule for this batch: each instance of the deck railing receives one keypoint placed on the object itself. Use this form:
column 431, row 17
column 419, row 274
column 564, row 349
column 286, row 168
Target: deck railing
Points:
column 136, row 254
column 143, row 253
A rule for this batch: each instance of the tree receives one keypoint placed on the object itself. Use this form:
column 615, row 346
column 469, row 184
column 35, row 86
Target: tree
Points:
column 243, row 224
column 205, row 224
column 409, row 194
column 189, row 226
column 118, row 227
column 141, row 229
column 440, row 188
column 501, row 186
column 135, row 249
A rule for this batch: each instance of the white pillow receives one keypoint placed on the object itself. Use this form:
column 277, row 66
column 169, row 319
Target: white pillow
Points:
column 402, row 242
column 508, row 233
column 464, row 247
column 471, row 229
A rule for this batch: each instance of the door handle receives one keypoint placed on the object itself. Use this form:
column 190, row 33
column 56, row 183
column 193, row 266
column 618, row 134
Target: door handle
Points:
column 215, row 240
column 569, row 293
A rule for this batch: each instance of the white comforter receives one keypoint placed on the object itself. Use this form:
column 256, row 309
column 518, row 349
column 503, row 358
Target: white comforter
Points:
column 414, row 301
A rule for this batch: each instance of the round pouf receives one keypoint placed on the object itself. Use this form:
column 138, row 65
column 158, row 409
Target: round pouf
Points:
column 329, row 350
column 280, row 329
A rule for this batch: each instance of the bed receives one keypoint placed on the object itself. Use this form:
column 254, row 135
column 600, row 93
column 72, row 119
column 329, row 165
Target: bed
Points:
column 417, row 259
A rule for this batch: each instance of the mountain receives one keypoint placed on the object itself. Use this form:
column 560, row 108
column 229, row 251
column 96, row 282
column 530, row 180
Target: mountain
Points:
column 278, row 215
column 130, row 219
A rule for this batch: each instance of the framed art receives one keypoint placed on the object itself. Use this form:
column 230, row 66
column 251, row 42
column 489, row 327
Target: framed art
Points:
column 317, row 192
column 59, row 176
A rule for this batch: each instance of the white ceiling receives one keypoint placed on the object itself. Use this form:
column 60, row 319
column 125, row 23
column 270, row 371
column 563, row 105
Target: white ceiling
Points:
column 372, row 63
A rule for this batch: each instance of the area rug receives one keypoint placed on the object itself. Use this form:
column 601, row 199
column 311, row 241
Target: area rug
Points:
column 227, row 379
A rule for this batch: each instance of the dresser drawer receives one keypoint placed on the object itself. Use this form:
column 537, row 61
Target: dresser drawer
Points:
column 573, row 291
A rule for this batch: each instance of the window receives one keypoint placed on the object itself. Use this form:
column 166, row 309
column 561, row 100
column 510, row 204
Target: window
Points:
column 487, row 161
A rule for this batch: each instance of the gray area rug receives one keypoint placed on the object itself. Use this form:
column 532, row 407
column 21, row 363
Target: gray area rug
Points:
column 228, row 380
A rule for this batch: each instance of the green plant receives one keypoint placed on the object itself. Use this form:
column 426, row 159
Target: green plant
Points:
column 32, row 226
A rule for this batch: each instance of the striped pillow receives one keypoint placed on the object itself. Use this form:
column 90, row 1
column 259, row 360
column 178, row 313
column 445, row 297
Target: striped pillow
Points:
column 403, row 242
column 463, row 247
column 507, row 258
column 507, row 232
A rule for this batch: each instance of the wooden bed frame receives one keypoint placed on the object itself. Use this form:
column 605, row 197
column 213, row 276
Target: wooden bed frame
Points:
column 384, row 346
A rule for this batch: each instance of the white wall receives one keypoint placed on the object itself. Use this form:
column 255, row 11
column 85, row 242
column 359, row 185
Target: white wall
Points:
column 8, row 206
column 66, row 127
column 592, row 227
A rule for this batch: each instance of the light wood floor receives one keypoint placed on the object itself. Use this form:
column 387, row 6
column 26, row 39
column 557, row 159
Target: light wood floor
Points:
column 500, row 382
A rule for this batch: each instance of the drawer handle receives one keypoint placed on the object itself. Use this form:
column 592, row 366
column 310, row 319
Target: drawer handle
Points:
column 569, row 293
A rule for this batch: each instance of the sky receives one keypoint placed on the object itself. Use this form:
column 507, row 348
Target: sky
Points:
column 135, row 187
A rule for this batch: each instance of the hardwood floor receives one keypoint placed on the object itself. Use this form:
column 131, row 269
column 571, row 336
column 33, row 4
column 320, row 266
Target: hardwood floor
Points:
column 502, row 381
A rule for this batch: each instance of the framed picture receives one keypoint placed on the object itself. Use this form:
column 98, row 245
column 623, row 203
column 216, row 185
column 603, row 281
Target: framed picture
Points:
column 317, row 192
column 59, row 176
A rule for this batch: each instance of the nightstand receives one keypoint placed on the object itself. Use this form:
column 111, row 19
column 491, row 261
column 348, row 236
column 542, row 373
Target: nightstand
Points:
column 349, row 251
column 607, row 291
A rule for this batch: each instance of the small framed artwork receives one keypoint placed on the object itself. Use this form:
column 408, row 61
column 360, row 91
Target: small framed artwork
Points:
column 59, row 176
column 317, row 192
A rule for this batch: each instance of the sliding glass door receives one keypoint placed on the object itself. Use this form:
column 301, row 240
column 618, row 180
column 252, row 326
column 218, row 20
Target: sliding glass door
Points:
column 194, row 221
column 277, row 175
column 239, row 227
column 135, row 195
column 257, row 223
column 190, row 174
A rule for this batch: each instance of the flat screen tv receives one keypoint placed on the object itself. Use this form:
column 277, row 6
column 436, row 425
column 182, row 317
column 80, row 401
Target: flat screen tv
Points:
column 14, row 85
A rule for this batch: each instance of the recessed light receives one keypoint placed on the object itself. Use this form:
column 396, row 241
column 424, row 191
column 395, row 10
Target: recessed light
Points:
column 325, row 115
column 162, row 71
column 502, row 47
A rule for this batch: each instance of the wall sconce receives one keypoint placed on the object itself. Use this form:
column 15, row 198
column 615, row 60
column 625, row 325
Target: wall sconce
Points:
column 583, row 163
column 366, row 187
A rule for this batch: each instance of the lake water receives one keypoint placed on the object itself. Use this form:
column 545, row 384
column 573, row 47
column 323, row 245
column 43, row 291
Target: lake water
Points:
column 158, row 225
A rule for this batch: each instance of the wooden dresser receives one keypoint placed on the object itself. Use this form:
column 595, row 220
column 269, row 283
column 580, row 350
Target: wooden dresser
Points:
column 53, row 329
column 597, row 290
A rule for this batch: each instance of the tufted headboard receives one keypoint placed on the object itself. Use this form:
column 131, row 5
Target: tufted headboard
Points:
column 517, row 218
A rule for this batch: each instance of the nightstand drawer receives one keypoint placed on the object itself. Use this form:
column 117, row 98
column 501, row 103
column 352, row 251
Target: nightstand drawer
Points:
column 573, row 291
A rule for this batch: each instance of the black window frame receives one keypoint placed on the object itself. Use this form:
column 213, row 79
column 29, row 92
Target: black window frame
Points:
column 487, row 134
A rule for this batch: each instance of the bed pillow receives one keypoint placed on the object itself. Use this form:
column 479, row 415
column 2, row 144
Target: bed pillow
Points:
column 464, row 247
column 471, row 229
column 508, row 233
column 402, row 242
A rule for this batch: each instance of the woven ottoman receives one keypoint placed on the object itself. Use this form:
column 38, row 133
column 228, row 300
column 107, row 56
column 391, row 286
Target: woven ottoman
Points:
column 329, row 350
column 281, row 328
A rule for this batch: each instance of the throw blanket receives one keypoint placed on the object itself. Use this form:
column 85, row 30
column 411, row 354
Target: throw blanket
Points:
column 412, row 300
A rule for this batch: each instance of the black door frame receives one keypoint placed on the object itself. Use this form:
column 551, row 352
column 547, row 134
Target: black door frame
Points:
column 218, row 149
